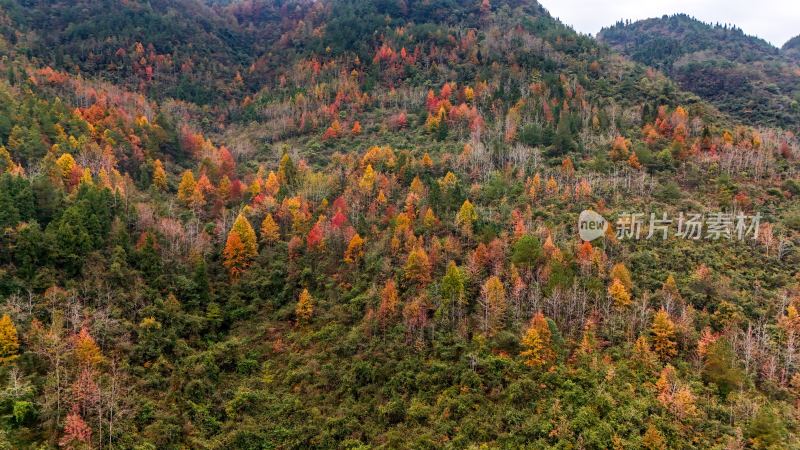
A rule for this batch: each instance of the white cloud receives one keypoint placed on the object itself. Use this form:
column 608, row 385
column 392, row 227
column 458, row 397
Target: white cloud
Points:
column 775, row 21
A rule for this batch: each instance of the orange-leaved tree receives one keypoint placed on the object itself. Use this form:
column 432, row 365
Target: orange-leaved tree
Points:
column 240, row 247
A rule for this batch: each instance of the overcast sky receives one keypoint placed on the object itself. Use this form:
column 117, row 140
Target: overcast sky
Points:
column 776, row 21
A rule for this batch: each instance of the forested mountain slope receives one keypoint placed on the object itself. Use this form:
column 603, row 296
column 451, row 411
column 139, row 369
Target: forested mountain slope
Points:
column 740, row 74
column 337, row 224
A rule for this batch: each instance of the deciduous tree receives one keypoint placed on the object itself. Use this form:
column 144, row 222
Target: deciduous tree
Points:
column 417, row 267
column 87, row 353
column 621, row 273
column 618, row 293
column 186, row 187
column 493, row 305
column 537, row 343
column 270, row 232
column 663, row 332
column 159, row 176
column 453, row 292
column 305, row 307
column 389, row 302
column 9, row 341
column 77, row 433
column 466, row 217
column 355, row 249
column 240, row 247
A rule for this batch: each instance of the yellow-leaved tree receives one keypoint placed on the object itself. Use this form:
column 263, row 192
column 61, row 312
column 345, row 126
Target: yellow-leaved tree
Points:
column 9, row 341
column 618, row 293
column 663, row 331
column 418, row 266
column 367, row 181
column 240, row 247
column 159, row 176
column 355, row 249
column 537, row 343
column 270, row 232
column 304, row 309
column 186, row 187
column 620, row 272
column 466, row 217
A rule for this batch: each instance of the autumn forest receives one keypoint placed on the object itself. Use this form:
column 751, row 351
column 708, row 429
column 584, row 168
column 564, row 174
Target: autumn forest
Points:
column 294, row 224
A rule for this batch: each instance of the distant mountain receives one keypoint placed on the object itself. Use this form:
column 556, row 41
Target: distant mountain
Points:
column 740, row 74
column 178, row 48
column 791, row 49
column 792, row 44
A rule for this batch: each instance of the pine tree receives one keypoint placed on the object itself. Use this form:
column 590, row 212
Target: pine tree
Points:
column 305, row 307
column 430, row 220
column 255, row 187
column 663, row 332
column 537, row 342
column 417, row 187
column 551, row 187
column 427, row 161
column 567, row 167
column 9, row 341
column 527, row 252
column 159, row 176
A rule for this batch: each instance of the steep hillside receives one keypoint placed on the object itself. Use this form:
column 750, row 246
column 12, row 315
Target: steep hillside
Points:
column 353, row 224
column 792, row 48
column 792, row 44
column 167, row 48
column 742, row 75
